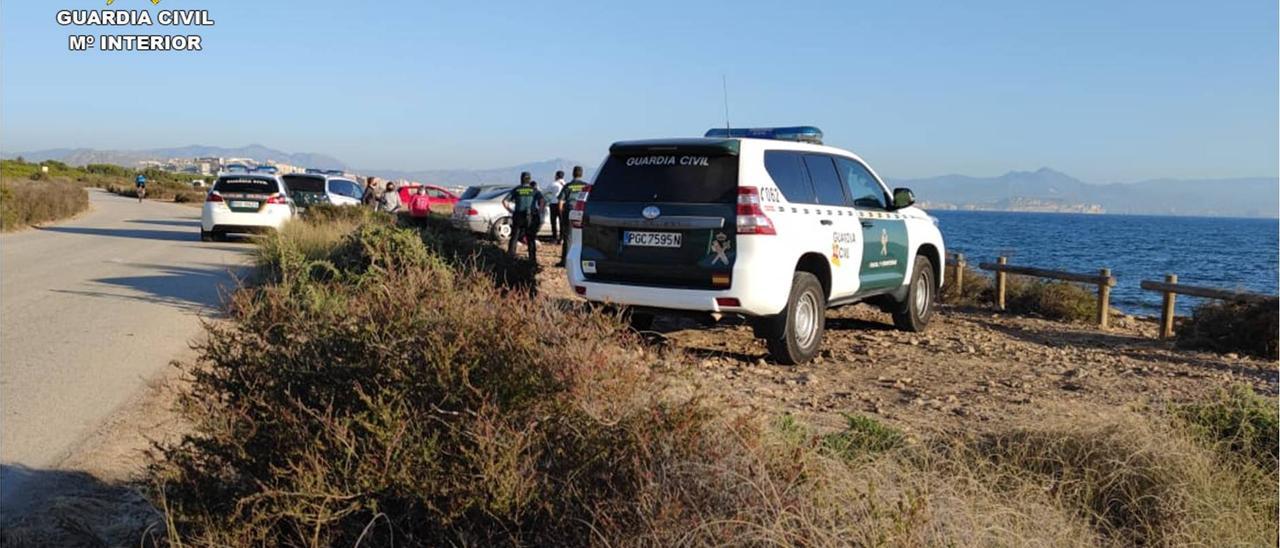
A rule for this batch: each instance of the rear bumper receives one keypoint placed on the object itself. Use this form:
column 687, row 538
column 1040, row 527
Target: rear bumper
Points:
column 473, row 224
column 761, row 289
column 216, row 218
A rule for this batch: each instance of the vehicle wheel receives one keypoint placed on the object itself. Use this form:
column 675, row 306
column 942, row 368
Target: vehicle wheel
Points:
column 218, row 236
column 206, row 236
column 914, row 314
column 501, row 229
column 640, row 321
column 795, row 335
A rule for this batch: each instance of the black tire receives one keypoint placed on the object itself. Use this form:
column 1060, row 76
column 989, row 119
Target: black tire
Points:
column 218, row 236
column 795, row 335
column 914, row 314
column 206, row 236
column 499, row 227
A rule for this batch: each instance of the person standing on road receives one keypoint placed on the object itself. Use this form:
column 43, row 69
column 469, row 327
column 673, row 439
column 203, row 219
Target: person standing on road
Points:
column 390, row 201
column 140, row 187
column 552, row 194
column 568, row 197
column 525, row 203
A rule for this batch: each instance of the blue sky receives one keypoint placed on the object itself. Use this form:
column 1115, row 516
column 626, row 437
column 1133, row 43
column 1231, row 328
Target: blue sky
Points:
column 1106, row 91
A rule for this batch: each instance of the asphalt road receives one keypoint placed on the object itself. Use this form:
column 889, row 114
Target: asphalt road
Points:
column 90, row 310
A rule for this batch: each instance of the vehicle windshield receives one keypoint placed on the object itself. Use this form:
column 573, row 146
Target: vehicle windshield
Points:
column 304, row 183
column 247, row 185
column 667, row 177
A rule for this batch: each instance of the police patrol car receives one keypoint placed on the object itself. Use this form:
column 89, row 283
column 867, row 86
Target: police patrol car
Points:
column 765, row 223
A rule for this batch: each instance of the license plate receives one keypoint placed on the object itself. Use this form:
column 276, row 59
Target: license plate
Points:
column 244, row 205
column 651, row 239
column 459, row 213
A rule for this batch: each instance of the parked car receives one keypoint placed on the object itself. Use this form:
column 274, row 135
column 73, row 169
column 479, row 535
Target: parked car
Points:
column 317, row 188
column 422, row 200
column 485, row 214
column 767, row 224
column 245, row 203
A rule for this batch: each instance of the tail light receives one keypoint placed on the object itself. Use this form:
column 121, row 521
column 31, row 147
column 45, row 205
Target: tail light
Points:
column 213, row 197
column 277, row 199
column 728, row 301
column 751, row 218
column 471, row 212
column 579, row 207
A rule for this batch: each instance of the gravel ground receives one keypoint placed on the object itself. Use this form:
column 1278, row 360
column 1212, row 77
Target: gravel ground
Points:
column 972, row 369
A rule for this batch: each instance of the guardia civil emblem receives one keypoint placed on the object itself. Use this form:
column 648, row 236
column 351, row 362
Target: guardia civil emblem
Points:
column 720, row 249
column 884, row 242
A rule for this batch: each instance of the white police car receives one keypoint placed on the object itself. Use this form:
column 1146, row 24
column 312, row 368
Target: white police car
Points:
column 245, row 203
column 763, row 223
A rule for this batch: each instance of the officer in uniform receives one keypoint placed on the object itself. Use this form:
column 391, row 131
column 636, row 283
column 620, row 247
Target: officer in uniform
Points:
column 525, row 203
column 569, row 195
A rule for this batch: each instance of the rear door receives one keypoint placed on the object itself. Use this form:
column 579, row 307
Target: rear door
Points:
column 663, row 214
column 837, row 225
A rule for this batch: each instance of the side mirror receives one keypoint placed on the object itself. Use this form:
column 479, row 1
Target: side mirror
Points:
column 903, row 197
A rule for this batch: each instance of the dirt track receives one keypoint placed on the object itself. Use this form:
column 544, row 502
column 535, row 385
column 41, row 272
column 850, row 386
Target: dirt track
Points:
column 972, row 368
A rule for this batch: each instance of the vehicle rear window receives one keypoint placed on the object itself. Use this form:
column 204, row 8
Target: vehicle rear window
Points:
column 495, row 192
column 247, row 185
column 303, row 183
column 472, row 192
column 786, row 168
column 668, row 176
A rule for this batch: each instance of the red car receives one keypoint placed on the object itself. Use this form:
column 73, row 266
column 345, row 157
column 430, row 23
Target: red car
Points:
column 422, row 200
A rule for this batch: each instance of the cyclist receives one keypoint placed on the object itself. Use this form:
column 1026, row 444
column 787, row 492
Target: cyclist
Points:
column 140, row 185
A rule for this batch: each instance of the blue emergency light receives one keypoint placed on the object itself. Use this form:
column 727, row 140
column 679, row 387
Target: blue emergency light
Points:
column 803, row 134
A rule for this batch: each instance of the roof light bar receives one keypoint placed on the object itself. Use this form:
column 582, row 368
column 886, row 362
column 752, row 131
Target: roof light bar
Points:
column 803, row 134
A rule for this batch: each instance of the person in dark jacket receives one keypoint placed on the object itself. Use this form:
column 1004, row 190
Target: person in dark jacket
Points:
column 525, row 203
column 568, row 196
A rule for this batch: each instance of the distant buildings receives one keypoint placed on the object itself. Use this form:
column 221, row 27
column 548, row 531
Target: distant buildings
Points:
column 211, row 165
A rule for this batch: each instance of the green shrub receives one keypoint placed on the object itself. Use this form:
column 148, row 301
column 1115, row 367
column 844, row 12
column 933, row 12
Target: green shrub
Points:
column 1239, row 422
column 1050, row 299
column 862, row 435
column 1246, row 328
column 26, row 203
column 462, row 249
column 426, row 402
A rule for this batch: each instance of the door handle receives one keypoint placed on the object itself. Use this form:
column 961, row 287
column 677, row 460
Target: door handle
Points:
column 825, row 222
column 866, row 224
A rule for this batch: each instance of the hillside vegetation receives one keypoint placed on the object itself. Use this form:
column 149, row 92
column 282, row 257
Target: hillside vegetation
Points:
column 29, row 196
column 162, row 185
column 385, row 385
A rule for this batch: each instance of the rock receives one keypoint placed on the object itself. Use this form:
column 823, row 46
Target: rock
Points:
column 1231, row 356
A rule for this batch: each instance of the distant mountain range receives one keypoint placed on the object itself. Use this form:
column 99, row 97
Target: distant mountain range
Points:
column 131, row 158
column 1041, row 190
column 1049, row 190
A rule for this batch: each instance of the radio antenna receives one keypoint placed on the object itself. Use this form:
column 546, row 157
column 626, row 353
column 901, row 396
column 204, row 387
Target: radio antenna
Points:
column 724, row 84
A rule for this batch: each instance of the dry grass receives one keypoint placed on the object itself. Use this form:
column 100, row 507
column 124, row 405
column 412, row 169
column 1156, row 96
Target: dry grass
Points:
column 378, row 390
column 25, row 203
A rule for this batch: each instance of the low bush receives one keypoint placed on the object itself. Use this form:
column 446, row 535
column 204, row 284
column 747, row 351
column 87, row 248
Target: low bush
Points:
column 1137, row 481
column 1050, row 299
column 1239, row 423
column 1245, row 328
column 26, row 203
column 462, row 249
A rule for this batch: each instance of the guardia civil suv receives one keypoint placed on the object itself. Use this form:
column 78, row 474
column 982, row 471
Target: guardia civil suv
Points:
column 765, row 223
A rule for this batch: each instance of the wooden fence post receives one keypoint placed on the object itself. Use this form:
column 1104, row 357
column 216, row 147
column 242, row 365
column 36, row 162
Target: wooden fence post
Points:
column 1000, row 282
column 1166, row 316
column 1104, row 298
column 959, row 274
